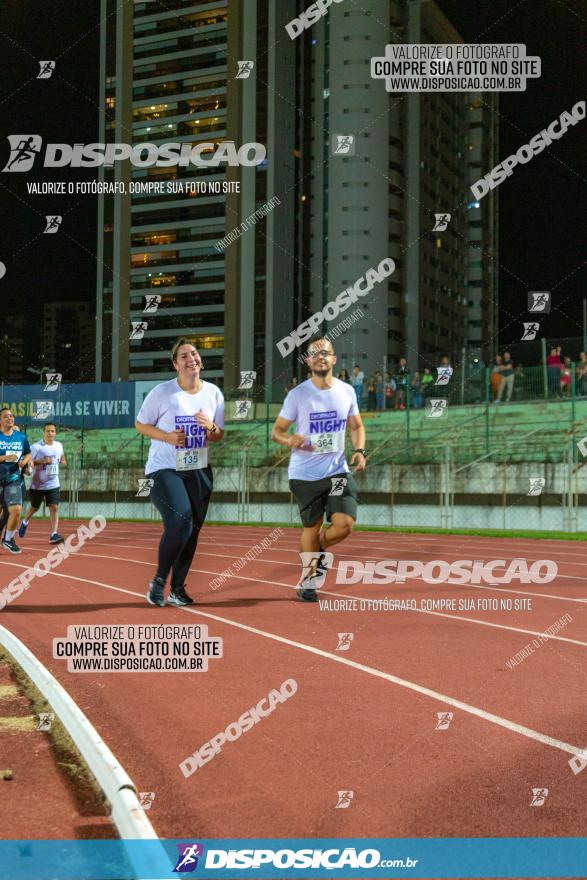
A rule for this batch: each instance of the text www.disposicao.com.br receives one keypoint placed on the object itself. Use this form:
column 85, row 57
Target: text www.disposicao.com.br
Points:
column 134, row 664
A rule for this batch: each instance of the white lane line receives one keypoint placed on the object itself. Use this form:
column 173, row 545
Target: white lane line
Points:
column 350, row 596
column 512, row 726
column 97, row 542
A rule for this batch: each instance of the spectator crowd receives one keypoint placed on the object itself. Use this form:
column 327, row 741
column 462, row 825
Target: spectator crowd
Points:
column 393, row 389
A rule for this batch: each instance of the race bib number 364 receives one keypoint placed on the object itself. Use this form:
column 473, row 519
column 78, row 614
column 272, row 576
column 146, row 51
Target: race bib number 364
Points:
column 331, row 442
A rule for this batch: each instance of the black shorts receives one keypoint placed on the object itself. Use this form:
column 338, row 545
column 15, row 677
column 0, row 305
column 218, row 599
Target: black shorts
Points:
column 37, row 496
column 336, row 494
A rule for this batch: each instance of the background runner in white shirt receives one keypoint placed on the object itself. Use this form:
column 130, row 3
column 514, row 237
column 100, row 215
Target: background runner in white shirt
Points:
column 181, row 416
column 322, row 408
column 47, row 454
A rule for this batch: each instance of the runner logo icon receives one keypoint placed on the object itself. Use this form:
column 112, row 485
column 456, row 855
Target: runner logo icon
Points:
column 344, row 800
column 338, row 485
column 345, row 145
column 53, row 223
column 539, row 301
column 539, row 795
column 344, row 641
column 444, row 719
column 187, row 861
column 24, row 149
column 46, row 69
column 441, row 222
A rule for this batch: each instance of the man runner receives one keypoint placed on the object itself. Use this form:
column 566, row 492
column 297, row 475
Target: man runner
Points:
column 15, row 454
column 319, row 476
column 47, row 455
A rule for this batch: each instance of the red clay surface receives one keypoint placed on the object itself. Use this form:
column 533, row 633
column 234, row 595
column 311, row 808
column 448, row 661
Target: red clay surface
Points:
column 359, row 720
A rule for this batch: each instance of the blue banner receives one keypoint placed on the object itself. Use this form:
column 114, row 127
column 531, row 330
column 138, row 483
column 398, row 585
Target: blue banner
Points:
column 302, row 858
column 88, row 405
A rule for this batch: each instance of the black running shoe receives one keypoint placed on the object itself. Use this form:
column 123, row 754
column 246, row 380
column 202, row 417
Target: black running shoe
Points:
column 155, row 595
column 306, row 593
column 179, row 597
column 11, row 545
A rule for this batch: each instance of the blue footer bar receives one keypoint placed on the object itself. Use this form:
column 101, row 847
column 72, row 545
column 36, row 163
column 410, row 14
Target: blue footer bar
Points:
column 303, row 858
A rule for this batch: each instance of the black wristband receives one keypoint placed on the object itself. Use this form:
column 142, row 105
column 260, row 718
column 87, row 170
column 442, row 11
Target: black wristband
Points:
column 362, row 451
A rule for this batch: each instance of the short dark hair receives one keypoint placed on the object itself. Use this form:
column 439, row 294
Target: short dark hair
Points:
column 49, row 424
column 5, row 409
column 313, row 342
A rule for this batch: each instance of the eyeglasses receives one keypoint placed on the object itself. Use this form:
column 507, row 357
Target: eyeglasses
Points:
column 322, row 353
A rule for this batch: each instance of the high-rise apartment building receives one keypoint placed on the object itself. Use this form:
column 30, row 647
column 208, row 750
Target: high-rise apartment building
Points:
column 169, row 74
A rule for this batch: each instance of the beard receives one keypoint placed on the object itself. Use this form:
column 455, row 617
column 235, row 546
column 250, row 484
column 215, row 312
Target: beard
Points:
column 320, row 371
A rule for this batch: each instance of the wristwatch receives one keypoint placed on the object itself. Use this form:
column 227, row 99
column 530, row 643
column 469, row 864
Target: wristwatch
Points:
column 213, row 429
column 362, row 451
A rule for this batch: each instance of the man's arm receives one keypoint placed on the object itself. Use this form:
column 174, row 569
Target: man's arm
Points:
column 357, row 429
column 279, row 434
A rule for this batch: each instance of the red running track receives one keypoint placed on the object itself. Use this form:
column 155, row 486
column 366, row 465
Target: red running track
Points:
column 362, row 720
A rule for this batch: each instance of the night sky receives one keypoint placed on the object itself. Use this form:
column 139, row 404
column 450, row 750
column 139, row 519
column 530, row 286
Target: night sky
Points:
column 541, row 205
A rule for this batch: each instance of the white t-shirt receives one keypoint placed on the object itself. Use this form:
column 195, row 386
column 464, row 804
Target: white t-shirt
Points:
column 169, row 407
column 321, row 416
column 46, row 476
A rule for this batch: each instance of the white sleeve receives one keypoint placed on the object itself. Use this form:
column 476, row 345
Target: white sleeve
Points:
column 219, row 413
column 149, row 412
column 289, row 410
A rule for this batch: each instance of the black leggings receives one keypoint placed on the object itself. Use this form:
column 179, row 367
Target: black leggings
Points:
column 182, row 500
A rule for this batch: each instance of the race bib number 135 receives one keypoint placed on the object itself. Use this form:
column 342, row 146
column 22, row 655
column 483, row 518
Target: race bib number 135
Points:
column 191, row 459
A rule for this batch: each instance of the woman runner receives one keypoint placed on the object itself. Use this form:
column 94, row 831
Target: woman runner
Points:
column 181, row 416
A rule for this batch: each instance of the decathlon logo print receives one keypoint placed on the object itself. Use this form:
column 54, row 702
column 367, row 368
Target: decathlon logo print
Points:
column 436, row 408
column 187, row 860
column 344, row 145
column 539, row 795
column 344, row 641
column 338, row 485
column 152, row 302
column 536, row 485
column 444, row 719
column 443, row 375
column 53, row 224
column 46, row 69
column 539, row 301
column 530, row 331
column 46, row 719
column 43, row 409
column 441, row 222
column 146, row 799
column 244, row 69
column 145, row 486
column 247, row 378
column 241, row 408
column 138, row 329
column 344, row 800
column 24, row 149
column 53, row 381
